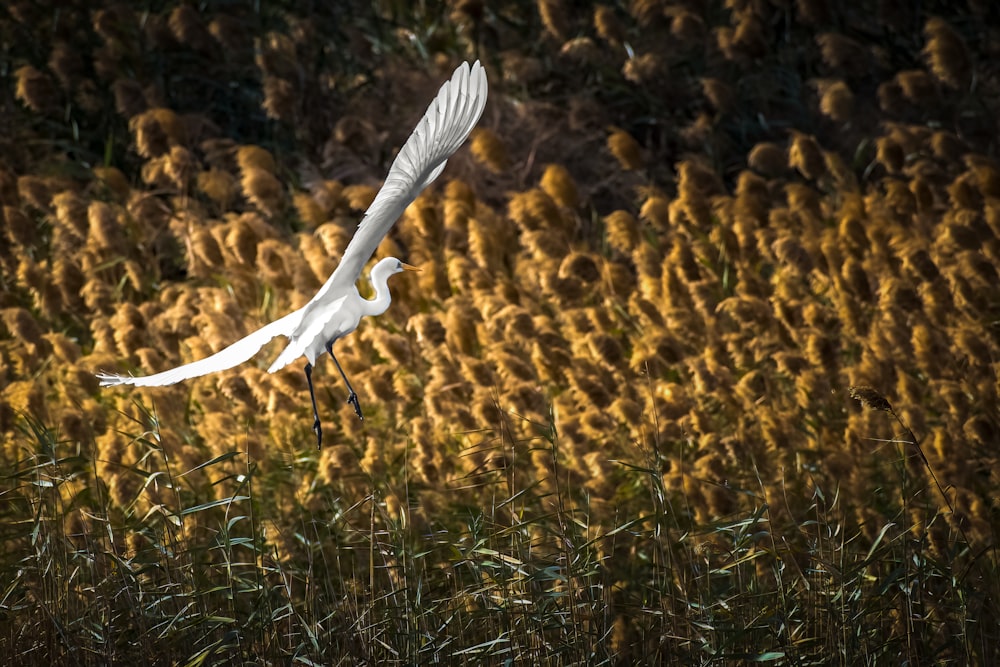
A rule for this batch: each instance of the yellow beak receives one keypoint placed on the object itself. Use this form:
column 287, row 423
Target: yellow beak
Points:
column 409, row 267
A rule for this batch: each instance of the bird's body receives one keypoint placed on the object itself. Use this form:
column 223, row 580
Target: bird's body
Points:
column 338, row 307
column 319, row 326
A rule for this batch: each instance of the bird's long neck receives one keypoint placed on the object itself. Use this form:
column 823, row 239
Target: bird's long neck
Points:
column 380, row 303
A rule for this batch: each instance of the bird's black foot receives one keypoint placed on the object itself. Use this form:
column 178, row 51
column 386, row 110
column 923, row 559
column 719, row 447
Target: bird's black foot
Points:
column 318, row 430
column 353, row 400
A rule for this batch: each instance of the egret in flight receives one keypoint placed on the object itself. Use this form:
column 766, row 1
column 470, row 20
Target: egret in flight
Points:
column 338, row 307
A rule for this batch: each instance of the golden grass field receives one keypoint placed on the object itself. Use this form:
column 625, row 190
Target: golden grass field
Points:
column 701, row 367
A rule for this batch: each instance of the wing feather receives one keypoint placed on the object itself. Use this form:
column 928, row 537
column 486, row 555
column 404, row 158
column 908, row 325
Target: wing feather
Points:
column 443, row 129
column 228, row 357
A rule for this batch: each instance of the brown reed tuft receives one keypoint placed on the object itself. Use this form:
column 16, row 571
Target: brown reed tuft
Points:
column 917, row 87
column 964, row 193
column 696, row 178
column 555, row 18
column 181, row 167
column 805, row 206
column 242, row 241
column 71, row 214
column 66, row 65
column 805, row 156
column 890, row 154
column 189, row 29
column 843, row 54
column 767, row 158
column 687, row 27
column 359, row 197
column 929, row 349
column 36, row 90
column 255, row 157
column 985, row 173
column 814, row 12
column 534, row 210
column 891, row 99
column 978, row 268
column 429, row 330
column 559, row 185
column 580, row 267
column 155, row 131
column 263, row 190
column 948, row 147
column 231, row 33
column 592, row 390
column 718, row 93
column 789, row 251
column 273, row 263
column 899, row 197
column 625, row 149
column 647, row 69
column 656, row 210
column 220, row 186
column 308, row 209
column 275, row 55
column 114, row 180
column 479, row 372
column 105, row 227
column 608, row 26
column 280, row 99
column 607, row 349
column 20, row 228
column 582, row 51
column 35, row 191
column 854, row 234
column 460, row 326
column 489, row 150
column 970, row 342
column 621, row 231
column 836, row 100
column 23, row 327
column 205, row 248
column 646, row 12
column 923, row 195
column 920, row 263
column 749, row 39
column 947, row 54
column 870, row 398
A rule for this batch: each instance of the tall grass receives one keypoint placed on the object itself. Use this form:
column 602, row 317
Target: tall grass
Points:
column 224, row 574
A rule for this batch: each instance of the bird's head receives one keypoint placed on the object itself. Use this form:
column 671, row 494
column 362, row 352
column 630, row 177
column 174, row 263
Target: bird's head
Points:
column 390, row 266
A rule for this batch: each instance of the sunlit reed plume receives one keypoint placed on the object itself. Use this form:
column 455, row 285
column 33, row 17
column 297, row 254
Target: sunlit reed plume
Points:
column 155, row 131
column 947, row 54
column 489, row 150
column 625, row 149
column 806, row 157
column 842, row 54
column 767, row 158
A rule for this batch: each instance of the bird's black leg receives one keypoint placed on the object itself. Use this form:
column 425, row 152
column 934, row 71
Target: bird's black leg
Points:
column 352, row 398
column 317, row 429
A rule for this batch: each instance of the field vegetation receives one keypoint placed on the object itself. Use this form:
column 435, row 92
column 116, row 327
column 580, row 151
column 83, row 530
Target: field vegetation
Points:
column 701, row 367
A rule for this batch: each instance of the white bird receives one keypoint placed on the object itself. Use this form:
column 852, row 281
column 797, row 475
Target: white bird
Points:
column 337, row 308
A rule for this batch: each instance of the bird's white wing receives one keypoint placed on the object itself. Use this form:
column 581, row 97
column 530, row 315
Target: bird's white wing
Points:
column 231, row 356
column 444, row 128
column 306, row 336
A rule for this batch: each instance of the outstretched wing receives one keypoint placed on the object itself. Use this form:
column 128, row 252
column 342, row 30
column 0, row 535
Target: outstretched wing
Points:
column 444, row 128
column 231, row 356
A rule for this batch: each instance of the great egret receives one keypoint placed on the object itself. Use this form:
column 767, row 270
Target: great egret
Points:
column 337, row 308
